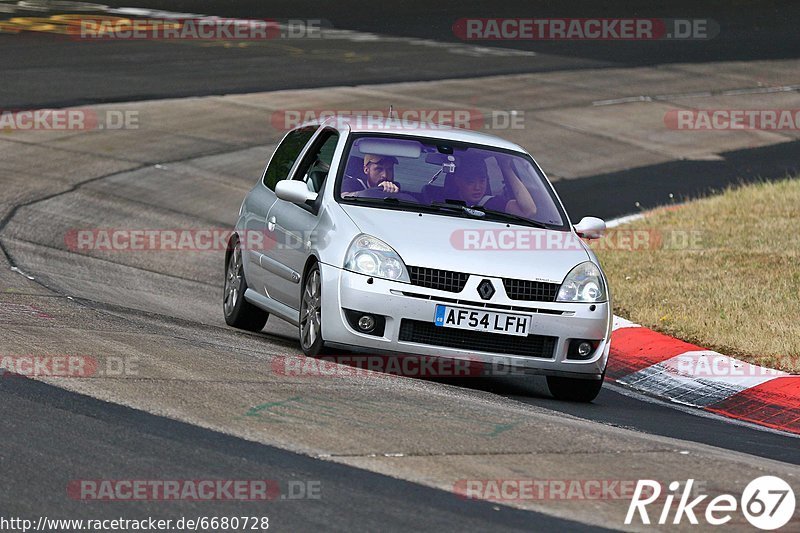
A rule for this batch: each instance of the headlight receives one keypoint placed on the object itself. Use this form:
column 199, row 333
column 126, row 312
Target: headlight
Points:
column 584, row 283
column 373, row 257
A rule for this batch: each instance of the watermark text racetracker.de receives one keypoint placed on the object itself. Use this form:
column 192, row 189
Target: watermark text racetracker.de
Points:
column 203, row 28
column 170, row 27
column 405, row 118
column 396, row 365
column 200, row 490
column 733, row 119
column 185, row 239
column 76, row 119
column 516, row 490
column 616, row 239
column 708, row 364
column 67, row 366
column 584, row 29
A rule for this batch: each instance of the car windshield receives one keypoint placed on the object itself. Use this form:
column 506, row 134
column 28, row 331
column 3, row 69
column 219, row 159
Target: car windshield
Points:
column 432, row 175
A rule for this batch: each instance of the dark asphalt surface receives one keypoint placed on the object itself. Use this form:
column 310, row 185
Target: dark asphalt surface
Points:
column 660, row 418
column 42, row 69
column 687, row 179
column 52, row 436
column 748, row 30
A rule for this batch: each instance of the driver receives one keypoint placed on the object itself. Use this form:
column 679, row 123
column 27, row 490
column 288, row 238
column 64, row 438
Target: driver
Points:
column 378, row 172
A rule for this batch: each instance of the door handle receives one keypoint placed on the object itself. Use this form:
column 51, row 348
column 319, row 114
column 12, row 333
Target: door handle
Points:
column 271, row 223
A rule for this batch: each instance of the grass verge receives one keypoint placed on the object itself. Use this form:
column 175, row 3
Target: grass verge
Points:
column 722, row 272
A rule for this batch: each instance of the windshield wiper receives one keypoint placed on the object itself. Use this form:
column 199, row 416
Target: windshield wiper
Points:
column 480, row 211
column 433, row 207
column 438, row 206
column 517, row 218
column 390, row 200
column 387, row 199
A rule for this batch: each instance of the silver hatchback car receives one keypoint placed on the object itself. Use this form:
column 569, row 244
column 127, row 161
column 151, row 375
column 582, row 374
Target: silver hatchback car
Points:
column 404, row 238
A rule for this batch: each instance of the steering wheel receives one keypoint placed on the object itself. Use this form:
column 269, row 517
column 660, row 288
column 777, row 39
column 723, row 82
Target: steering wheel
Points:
column 377, row 192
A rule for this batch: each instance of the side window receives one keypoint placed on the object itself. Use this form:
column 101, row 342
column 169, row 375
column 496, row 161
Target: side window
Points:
column 317, row 164
column 286, row 154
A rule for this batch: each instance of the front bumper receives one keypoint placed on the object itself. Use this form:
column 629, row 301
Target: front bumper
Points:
column 342, row 289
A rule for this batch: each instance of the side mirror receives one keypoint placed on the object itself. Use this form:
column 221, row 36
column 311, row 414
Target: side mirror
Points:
column 294, row 191
column 590, row 228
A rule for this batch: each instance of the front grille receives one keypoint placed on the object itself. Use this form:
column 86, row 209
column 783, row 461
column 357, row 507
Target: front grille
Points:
column 433, row 278
column 516, row 289
column 536, row 291
column 421, row 332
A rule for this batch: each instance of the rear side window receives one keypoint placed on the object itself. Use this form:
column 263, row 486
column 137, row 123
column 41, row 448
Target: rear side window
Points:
column 326, row 151
column 286, row 154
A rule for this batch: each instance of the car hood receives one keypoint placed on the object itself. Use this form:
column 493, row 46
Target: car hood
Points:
column 472, row 245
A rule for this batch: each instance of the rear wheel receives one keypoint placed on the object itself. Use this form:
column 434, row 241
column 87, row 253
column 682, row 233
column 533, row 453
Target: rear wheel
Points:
column 574, row 390
column 239, row 313
column 311, row 314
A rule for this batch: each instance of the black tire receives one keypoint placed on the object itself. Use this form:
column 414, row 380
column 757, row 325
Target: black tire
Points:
column 574, row 390
column 310, row 326
column 238, row 312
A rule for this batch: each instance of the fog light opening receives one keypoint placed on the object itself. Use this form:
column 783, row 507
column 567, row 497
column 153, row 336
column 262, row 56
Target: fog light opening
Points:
column 366, row 323
column 582, row 349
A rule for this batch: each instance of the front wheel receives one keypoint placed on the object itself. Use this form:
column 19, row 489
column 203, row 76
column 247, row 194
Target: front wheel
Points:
column 574, row 390
column 311, row 314
column 238, row 312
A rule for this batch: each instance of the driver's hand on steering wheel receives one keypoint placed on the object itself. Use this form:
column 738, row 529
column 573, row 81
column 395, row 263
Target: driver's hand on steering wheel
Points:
column 388, row 186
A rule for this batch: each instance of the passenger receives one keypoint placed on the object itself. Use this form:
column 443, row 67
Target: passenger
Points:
column 472, row 188
column 378, row 172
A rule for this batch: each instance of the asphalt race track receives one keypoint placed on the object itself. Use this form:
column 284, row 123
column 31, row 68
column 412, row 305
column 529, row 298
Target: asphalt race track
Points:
column 125, row 71
column 200, row 400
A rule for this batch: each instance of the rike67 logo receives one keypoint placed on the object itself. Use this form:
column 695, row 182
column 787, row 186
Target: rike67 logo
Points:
column 767, row 502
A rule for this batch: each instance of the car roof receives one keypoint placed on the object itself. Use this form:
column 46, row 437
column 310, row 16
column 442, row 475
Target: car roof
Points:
column 372, row 124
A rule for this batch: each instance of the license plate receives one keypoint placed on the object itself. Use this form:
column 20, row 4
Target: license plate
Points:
column 475, row 320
